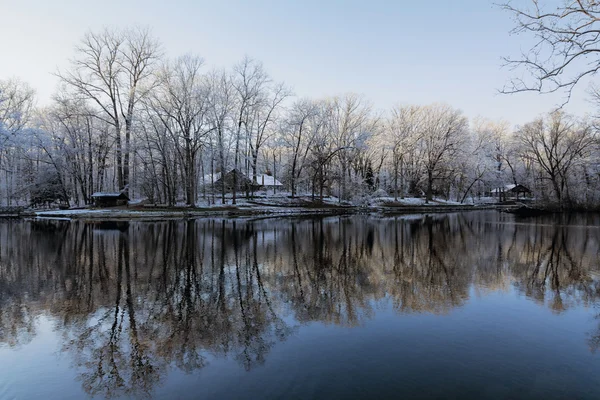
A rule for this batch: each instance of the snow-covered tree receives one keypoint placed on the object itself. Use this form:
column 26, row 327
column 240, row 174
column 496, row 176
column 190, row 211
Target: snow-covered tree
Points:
column 558, row 145
column 113, row 70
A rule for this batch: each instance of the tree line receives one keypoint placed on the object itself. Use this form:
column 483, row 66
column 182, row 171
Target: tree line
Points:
column 127, row 118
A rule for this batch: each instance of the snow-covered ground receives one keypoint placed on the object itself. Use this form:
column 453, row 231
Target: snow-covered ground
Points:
column 283, row 198
column 168, row 214
column 263, row 203
column 412, row 201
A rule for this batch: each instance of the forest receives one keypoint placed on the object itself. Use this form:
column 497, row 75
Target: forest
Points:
column 127, row 118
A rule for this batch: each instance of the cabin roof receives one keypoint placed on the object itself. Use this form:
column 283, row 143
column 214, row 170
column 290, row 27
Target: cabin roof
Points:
column 267, row 180
column 211, row 178
column 261, row 179
column 511, row 188
column 110, row 195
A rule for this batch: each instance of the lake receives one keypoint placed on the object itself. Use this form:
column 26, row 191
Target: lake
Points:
column 469, row 305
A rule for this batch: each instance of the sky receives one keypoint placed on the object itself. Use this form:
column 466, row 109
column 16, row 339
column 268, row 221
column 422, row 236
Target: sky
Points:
column 392, row 52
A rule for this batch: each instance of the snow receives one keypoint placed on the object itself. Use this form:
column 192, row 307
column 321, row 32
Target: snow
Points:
column 106, row 194
column 272, row 204
column 414, row 201
column 412, row 217
column 79, row 212
column 411, row 201
column 137, row 201
column 267, row 180
column 506, row 188
column 261, row 179
column 483, row 200
column 210, row 178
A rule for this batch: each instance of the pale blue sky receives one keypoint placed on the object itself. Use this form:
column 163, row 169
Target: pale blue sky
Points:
column 393, row 52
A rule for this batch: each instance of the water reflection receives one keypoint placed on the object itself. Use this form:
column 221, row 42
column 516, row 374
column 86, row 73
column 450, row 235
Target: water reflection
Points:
column 133, row 300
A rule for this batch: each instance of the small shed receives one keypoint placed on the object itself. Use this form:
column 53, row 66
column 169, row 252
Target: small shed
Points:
column 104, row 199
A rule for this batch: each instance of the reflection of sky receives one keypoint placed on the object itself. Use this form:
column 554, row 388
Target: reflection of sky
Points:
column 499, row 342
column 38, row 370
column 393, row 52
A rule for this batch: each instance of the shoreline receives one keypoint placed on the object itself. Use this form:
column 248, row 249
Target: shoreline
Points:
column 148, row 213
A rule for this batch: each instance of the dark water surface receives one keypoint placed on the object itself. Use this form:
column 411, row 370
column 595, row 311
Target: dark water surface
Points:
column 474, row 305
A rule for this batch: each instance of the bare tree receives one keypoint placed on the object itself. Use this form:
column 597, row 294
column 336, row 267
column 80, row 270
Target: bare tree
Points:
column 262, row 120
column 556, row 143
column 158, row 157
column 298, row 133
column 401, row 136
column 221, row 102
column 114, row 70
column 443, row 132
column 490, row 158
column 258, row 101
column 324, row 147
column 138, row 59
column 566, row 44
column 181, row 104
column 82, row 141
column 249, row 80
column 16, row 106
column 480, row 158
column 351, row 125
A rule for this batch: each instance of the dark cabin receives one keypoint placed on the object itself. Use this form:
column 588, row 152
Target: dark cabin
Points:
column 110, row 199
column 511, row 192
column 243, row 183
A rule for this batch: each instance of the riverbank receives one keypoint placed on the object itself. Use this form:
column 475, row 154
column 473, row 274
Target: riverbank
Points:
column 253, row 208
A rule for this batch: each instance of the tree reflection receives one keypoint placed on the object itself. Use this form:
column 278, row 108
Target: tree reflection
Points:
column 135, row 300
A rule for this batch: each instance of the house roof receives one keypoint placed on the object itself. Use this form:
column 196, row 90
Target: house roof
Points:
column 511, row 188
column 110, row 195
column 210, row 178
column 261, row 179
column 267, row 180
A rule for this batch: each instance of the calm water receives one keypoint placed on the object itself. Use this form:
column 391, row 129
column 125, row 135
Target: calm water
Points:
column 474, row 305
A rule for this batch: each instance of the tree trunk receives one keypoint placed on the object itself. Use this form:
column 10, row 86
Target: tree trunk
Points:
column 395, row 180
column 274, row 174
column 119, row 157
column 254, row 167
column 222, row 165
column 429, row 195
